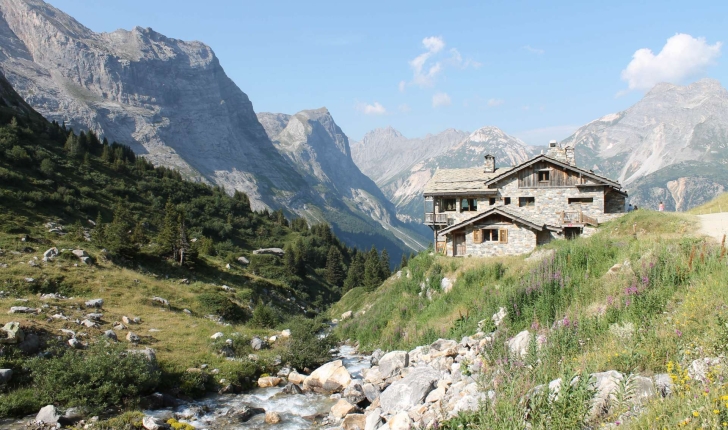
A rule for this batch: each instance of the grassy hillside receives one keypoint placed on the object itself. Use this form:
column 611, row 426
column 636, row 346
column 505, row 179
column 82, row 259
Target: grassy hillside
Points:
column 642, row 296
column 718, row 204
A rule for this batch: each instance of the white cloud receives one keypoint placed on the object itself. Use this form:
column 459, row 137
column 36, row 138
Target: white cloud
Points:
column 402, row 85
column 441, row 99
column 428, row 65
column 404, row 108
column 371, row 109
column 682, row 56
column 495, row 102
column 433, row 44
column 533, row 50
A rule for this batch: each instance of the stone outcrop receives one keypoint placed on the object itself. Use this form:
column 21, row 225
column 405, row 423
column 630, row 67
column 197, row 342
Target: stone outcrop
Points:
column 330, row 378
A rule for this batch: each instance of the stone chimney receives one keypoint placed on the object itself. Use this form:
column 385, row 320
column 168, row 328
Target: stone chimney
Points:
column 489, row 164
column 565, row 155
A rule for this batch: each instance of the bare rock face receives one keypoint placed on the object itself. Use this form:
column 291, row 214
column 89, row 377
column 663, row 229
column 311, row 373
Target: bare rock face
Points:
column 332, row 377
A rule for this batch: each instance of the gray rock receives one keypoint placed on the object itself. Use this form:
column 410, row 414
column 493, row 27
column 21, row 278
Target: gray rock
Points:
column 49, row 254
column 48, row 415
column 95, row 303
column 89, row 324
column 5, row 376
column 256, row 343
column 22, row 310
column 132, row 337
column 664, row 384
column 79, row 253
column 519, row 344
column 271, row 251
column 75, row 343
column 111, row 334
column 392, row 363
column 153, row 423
column 371, row 391
column 354, row 393
column 644, row 389
column 373, row 420
column 244, row 413
column 95, row 316
column 161, row 301
column 292, row 388
column 243, row 260
column 443, row 344
column 376, row 355
column 409, row 391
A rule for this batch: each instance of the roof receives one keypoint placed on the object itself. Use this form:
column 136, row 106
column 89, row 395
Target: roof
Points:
column 462, row 181
column 500, row 210
column 543, row 157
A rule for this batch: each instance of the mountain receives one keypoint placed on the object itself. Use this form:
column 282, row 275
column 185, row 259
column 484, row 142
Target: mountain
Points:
column 172, row 102
column 384, row 152
column 671, row 146
column 405, row 188
column 319, row 152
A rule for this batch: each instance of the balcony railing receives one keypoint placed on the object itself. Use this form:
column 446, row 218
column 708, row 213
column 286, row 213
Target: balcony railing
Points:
column 577, row 218
column 435, row 219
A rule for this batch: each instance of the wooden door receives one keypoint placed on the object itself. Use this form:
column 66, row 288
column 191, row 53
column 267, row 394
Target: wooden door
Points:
column 458, row 245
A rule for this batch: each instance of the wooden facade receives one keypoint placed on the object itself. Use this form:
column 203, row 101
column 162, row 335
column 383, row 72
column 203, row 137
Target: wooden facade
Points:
column 544, row 174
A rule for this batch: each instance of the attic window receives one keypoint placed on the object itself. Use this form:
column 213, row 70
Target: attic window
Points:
column 543, row 175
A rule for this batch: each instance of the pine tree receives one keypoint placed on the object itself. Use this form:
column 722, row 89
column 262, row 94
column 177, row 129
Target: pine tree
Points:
column 289, row 260
column 106, row 154
column 372, row 271
column 138, row 237
column 334, row 267
column 183, row 244
column 355, row 275
column 167, row 237
column 403, row 262
column 118, row 231
column 385, row 271
column 99, row 235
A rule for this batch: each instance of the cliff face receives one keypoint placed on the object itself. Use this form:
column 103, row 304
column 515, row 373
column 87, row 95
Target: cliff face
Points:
column 172, row 102
column 671, row 146
column 168, row 99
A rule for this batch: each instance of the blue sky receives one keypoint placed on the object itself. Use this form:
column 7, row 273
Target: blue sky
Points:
column 536, row 71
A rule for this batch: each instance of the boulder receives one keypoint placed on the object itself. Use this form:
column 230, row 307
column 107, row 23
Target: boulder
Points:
column 95, row 303
column 371, row 391
column 272, row 418
column 435, row 395
column 700, row 368
column 392, row 363
column 342, row 408
column 228, row 289
column 332, row 377
column 161, row 301
column 268, row 381
column 271, row 251
column 409, row 391
column 243, row 260
column 354, row 393
column 518, row 345
column 373, row 419
column 132, row 337
column 217, row 335
column 400, row 421
column 446, row 285
column 292, row 388
column 111, row 334
column 22, row 310
column 256, row 343
column 154, row 423
column 94, row 316
column 75, row 343
column 5, row 376
column 443, row 344
column 286, row 333
column 244, row 413
column 376, row 355
column 296, row 377
column 354, row 422
column 644, row 389
column 346, row 315
column 49, row 254
column 605, row 385
column 89, row 324
column 79, row 253
column 48, row 415
column 499, row 316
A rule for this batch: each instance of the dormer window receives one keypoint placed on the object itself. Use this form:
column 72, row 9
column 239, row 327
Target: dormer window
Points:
column 544, row 175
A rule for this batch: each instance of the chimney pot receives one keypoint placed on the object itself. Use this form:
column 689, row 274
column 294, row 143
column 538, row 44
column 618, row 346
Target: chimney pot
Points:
column 489, row 166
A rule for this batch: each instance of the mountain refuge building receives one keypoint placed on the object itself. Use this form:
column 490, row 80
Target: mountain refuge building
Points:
column 490, row 211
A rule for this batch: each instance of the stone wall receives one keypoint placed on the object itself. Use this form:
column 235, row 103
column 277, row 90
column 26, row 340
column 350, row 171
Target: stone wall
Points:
column 521, row 240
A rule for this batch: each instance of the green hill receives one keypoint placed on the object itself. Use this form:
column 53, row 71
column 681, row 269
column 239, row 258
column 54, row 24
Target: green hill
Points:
column 643, row 296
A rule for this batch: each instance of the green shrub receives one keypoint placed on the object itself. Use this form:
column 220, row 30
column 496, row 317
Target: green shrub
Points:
column 104, row 376
column 305, row 347
column 20, row 402
column 263, row 316
column 219, row 304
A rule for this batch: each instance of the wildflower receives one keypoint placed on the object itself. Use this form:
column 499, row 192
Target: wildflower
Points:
column 716, row 411
column 695, row 413
column 678, row 333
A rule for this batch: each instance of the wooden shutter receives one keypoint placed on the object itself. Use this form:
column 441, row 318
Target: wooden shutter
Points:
column 477, row 236
column 503, row 236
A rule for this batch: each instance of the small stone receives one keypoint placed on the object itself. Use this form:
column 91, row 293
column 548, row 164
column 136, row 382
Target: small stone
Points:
column 95, row 316
column 132, row 337
column 286, row 333
column 272, row 418
column 75, row 343
column 161, row 301
column 217, row 335
column 48, row 415
column 269, row 381
column 110, row 334
column 95, row 303
column 342, row 408
column 5, row 376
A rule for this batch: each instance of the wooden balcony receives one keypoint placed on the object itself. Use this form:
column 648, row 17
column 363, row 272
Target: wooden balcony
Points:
column 435, row 219
column 577, row 219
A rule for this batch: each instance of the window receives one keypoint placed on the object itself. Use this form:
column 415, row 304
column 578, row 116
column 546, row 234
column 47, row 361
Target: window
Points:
column 469, row 205
column 581, row 200
column 490, row 235
column 543, row 175
column 449, row 204
column 527, row 201
column 491, row 201
column 506, row 200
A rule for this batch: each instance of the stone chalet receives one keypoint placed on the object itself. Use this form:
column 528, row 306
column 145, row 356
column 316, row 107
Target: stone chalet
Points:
column 488, row 211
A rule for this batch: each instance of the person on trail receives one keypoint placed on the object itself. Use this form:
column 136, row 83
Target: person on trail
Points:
column 661, row 208
column 630, row 208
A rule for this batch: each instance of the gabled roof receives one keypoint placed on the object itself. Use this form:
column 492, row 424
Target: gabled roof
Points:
column 544, row 157
column 462, row 181
column 499, row 210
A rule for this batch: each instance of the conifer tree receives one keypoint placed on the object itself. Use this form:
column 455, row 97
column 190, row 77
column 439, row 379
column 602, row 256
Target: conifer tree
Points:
column 138, row 237
column 334, row 267
column 403, row 262
column 183, row 244
column 355, row 275
column 99, row 235
column 385, row 271
column 372, row 271
column 167, row 237
column 118, row 231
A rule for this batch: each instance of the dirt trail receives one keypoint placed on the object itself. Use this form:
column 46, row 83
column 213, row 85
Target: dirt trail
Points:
column 714, row 225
